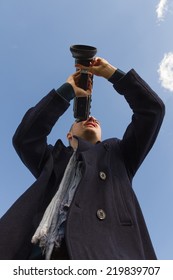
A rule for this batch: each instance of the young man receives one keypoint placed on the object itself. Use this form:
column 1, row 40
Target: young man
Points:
column 82, row 205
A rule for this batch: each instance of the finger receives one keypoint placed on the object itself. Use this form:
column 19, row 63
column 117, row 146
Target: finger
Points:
column 96, row 61
column 90, row 80
column 89, row 86
column 82, row 67
column 89, row 91
column 82, row 92
column 77, row 73
column 86, row 69
column 76, row 76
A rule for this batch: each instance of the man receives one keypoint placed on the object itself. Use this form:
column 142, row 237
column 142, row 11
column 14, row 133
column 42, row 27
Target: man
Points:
column 82, row 205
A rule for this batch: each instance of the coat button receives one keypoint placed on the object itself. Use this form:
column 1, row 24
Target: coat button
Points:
column 101, row 214
column 102, row 175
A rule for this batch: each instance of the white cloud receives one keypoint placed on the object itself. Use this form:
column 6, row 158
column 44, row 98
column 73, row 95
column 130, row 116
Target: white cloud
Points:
column 166, row 71
column 161, row 9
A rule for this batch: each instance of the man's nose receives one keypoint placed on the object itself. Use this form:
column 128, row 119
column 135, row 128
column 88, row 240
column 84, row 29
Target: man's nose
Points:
column 91, row 119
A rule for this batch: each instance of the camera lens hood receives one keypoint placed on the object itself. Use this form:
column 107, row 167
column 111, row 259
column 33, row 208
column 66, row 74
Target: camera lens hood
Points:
column 83, row 52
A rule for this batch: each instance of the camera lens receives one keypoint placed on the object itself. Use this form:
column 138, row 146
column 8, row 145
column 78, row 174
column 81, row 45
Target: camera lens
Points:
column 83, row 53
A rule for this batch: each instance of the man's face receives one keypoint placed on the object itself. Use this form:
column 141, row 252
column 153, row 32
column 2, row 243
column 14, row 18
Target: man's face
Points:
column 89, row 130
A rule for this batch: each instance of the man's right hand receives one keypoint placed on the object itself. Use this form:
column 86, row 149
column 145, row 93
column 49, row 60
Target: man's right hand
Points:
column 99, row 67
column 74, row 81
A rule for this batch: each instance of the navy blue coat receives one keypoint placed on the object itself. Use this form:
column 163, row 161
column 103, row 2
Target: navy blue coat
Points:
column 105, row 220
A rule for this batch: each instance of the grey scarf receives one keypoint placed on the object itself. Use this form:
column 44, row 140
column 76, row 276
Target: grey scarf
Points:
column 46, row 233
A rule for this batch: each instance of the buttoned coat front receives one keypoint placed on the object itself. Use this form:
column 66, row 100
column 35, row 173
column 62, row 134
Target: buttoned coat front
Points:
column 105, row 220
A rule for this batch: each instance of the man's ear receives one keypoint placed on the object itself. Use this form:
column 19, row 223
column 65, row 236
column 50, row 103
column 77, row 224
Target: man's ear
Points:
column 69, row 136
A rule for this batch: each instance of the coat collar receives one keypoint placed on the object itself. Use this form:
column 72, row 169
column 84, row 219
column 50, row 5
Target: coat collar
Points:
column 83, row 146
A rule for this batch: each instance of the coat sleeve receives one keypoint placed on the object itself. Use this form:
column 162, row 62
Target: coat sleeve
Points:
column 148, row 112
column 30, row 138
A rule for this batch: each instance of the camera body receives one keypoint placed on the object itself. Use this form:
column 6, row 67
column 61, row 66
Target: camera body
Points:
column 83, row 55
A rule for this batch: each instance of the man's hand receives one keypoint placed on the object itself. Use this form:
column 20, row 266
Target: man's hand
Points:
column 99, row 67
column 74, row 81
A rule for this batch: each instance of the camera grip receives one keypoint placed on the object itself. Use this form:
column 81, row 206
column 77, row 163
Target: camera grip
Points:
column 81, row 107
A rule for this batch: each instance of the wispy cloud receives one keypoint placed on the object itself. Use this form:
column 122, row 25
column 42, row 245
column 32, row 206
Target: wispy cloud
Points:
column 166, row 71
column 161, row 9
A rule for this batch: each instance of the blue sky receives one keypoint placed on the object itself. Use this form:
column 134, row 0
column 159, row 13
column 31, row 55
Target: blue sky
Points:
column 35, row 57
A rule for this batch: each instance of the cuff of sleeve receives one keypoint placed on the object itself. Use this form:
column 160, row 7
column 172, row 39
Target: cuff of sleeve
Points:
column 66, row 91
column 117, row 75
